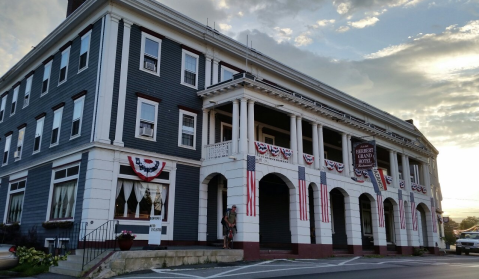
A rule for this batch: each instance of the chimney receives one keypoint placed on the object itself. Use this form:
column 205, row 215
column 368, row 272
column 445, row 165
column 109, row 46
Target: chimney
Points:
column 410, row 121
column 73, row 5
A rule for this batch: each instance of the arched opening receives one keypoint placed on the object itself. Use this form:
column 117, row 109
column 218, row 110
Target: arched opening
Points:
column 422, row 225
column 312, row 213
column 338, row 220
column 365, row 216
column 390, row 225
column 216, row 208
column 274, row 213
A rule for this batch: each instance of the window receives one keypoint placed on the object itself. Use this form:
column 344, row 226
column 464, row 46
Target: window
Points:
column 268, row 139
column 187, row 129
column 64, row 193
column 6, row 151
column 15, row 205
column 38, row 135
column 227, row 73
column 77, row 116
column 140, row 200
column 146, row 121
column 226, row 131
column 84, row 51
column 57, row 122
column 28, row 89
column 189, row 69
column 64, row 66
column 46, row 77
column 14, row 100
column 150, row 54
column 2, row 108
column 18, row 153
column 366, row 217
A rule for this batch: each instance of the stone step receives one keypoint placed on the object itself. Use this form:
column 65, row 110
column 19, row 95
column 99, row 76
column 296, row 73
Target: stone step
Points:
column 73, row 265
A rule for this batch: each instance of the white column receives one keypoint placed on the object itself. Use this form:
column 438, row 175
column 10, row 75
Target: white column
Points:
column 212, row 127
column 251, row 127
column 107, row 78
column 125, row 53
column 352, row 218
column 243, row 127
column 234, row 140
column 405, row 172
column 315, row 145
column 350, row 158
column 322, row 230
column 215, row 72
column 299, row 134
column 396, row 165
column 321, row 146
column 379, row 233
column 293, row 142
column 344, row 147
column 392, row 166
column 204, row 134
column 207, row 72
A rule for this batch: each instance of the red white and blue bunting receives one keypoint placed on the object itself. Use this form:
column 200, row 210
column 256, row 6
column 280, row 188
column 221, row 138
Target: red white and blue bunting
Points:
column 309, row 159
column 339, row 167
column 357, row 179
column 287, row 153
column 274, row 150
column 401, row 184
column 358, row 173
column 329, row 164
column 146, row 169
column 389, row 179
column 414, row 186
column 365, row 174
column 261, row 147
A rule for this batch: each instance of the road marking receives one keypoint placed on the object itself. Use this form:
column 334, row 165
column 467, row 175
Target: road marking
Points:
column 239, row 268
column 179, row 274
column 345, row 262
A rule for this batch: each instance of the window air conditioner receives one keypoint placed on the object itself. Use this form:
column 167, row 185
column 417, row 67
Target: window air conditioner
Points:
column 16, row 154
column 150, row 66
column 145, row 131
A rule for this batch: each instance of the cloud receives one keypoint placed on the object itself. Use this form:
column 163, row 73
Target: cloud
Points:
column 365, row 22
column 282, row 34
column 224, row 26
column 348, row 7
column 303, row 40
column 342, row 29
column 325, row 22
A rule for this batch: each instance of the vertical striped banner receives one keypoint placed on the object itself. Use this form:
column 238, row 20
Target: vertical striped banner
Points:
column 303, row 213
column 324, row 199
column 413, row 212
column 433, row 215
column 402, row 214
column 380, row 209
column 251, row 186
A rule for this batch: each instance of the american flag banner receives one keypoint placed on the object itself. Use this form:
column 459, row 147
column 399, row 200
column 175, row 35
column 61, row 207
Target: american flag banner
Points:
column 380, row 209
column 413, row 212
column 251, row 186
column 402, row 214
column 433, row 216
column 324, row 199
column 303, row 213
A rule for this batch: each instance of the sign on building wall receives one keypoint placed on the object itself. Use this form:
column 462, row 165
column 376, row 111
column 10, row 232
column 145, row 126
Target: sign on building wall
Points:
column 154, row 236
column 364, row 155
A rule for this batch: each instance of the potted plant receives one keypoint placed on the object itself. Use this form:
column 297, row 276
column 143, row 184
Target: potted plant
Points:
column 125, row 240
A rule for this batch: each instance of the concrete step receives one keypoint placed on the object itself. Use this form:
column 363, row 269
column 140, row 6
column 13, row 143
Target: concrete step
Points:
column 73, row 265
column 65, row 271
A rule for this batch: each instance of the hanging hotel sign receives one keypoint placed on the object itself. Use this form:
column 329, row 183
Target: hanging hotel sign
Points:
column 146, row 169
column 364, row 155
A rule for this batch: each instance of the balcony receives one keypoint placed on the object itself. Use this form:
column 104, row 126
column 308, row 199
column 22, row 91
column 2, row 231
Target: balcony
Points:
column 218, row 150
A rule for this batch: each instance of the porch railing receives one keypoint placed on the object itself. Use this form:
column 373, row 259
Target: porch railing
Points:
column 99, row 241
column 68, row 239
column 218, row 150
column 269, row 156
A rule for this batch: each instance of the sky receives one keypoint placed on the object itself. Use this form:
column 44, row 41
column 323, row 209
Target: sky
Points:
column 416, row 59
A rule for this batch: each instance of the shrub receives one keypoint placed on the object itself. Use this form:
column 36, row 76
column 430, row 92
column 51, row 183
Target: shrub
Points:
column 37, row 258
column 418, row 252
column 54, row 225
column 126, row 235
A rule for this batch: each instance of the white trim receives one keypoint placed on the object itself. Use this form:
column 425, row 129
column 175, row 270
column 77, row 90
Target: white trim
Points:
column 41, row 120
column 4, row 105
column 88, row 34
column 9, row 141
column 145, row 36
column 81, row 99
column 28, row 90
column 183, row 53
column 268, row 136
column 14, row 100
column 9, row 193
column 66, row 160
column 18, row 144
column 180, row 129
column 222, row 125
column 61, row 180
column 67, row 50
column 49, row 64
column 59, row 111
column 223, row 68
column 138, row 116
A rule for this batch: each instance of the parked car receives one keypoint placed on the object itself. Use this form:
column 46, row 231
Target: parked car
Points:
column 8, row 258
column 467, row 242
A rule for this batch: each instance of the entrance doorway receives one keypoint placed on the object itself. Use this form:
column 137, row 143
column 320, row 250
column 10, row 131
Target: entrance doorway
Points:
column 338, row 220
column 366, row 222
column 389, row 224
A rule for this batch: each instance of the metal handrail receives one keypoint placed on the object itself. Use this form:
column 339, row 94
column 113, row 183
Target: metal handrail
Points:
column 98, row 241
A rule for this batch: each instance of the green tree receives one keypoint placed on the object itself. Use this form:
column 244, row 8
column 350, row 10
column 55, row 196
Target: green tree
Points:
column 469, row 222
column 449, row 228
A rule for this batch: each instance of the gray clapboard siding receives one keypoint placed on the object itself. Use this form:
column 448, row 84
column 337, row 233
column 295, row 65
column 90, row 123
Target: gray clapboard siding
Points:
column 186, row 203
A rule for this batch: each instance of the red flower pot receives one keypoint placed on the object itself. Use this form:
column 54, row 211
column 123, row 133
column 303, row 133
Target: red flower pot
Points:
column 125, row 244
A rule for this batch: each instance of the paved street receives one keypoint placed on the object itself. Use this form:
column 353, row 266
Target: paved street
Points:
column 450, row 266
